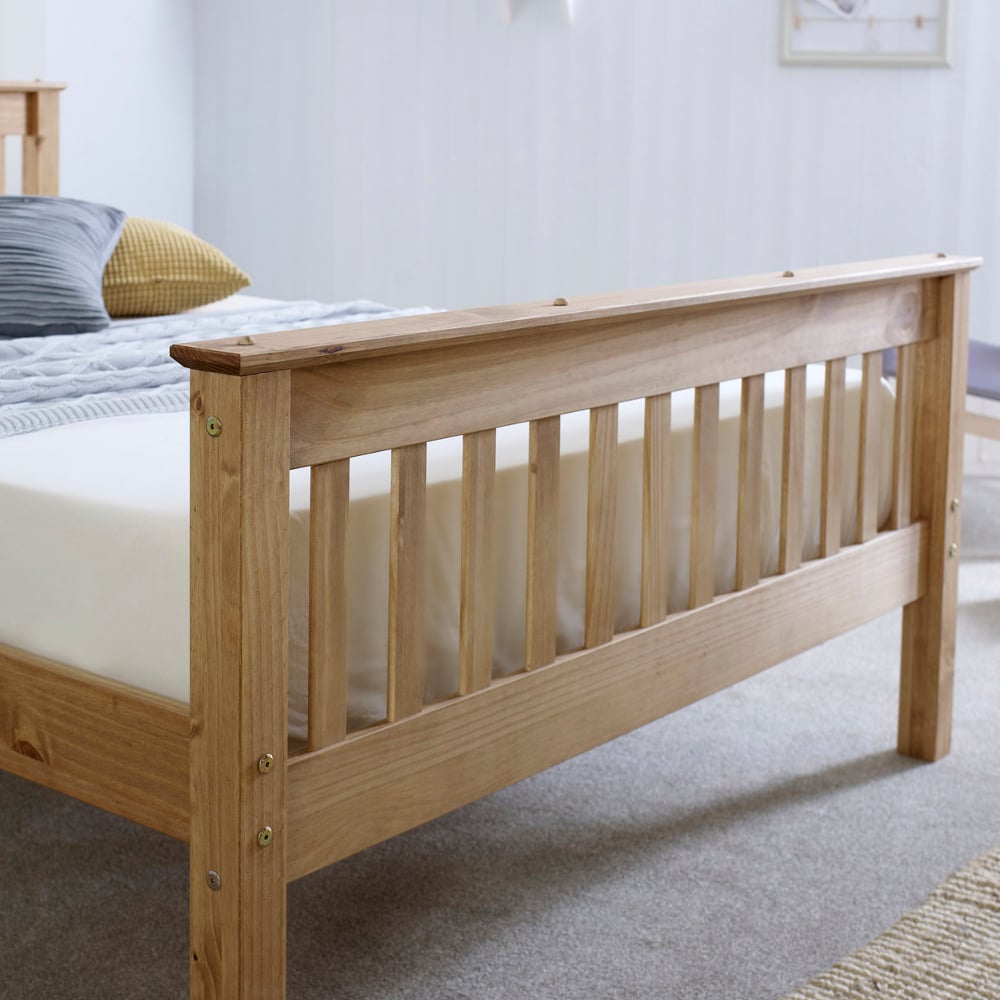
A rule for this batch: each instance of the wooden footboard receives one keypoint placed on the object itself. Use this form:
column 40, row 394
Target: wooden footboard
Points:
column 258, row 813
column 317, row 398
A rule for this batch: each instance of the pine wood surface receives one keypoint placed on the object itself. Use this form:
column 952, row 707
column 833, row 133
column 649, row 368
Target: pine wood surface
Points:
column 31, row 110
column 479, row 453
column 869, row 459
column 379, row 783
column 376, row 403
column 328, row 507
column 40, row 147
column 792, row 470
column 239, row 684
column 982, row 425
column 832, row 469
column 29, row 86
column 318, row 397
column 704, row 482
column 655, row 570
column 904, row 431
column 928, row 643
column 543, row 542
column 13, row 113
column 325, row 345
column 599, row 613
column 106, row 743
column 407, row 533
column 748, row 511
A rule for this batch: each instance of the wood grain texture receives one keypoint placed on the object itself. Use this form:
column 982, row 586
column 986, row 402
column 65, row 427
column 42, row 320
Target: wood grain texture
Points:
column 793, row 471
column 928, row 642
column 543, row 542
column 869, row 449
column 396, row 384
column 108, row 744
column 40, row 154
column 832, row 467
column 329, row 491
column 375, row 403
column 19, row 114
column 407, row 541
column 387, row 780
column 29, row 86
column 475, row 658
column 751, row 475
column 982, row 425
column 655, row 583
column 602, row 502
column 239, row 683
column 13, row 113
column 704, row 481
column 903, row 437
column 663, row 306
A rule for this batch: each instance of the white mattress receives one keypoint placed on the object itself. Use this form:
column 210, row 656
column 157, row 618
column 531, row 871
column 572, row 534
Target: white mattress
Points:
column 94, row 541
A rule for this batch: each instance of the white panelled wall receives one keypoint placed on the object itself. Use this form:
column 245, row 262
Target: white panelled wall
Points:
column 429, row 152
column 127, row 129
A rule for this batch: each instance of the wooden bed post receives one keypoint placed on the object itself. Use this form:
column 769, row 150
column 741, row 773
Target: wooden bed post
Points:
column 239, row 668
column 928, row 646
column 40, row 156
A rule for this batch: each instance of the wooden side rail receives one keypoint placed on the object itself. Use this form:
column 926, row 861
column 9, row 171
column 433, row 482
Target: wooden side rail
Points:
column 108, row 744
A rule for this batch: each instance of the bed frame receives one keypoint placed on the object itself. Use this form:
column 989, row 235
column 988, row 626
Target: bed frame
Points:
column 259, row 810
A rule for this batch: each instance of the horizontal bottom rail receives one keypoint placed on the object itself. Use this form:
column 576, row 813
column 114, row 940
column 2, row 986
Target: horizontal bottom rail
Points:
column 349, row 796
column 106, row 743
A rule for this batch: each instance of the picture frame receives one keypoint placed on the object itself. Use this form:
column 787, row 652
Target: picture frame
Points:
column 866, row 32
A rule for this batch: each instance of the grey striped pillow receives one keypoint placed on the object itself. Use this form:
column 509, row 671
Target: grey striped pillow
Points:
column 52, row 257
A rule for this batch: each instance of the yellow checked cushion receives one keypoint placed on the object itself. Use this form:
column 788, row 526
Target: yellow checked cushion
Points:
column 158, row 268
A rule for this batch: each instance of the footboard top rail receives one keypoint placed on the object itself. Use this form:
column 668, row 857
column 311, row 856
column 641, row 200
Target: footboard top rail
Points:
column 285, row 350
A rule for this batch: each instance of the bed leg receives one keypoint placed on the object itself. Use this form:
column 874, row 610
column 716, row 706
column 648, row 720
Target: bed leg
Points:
column 239, row 643
column 928, row 644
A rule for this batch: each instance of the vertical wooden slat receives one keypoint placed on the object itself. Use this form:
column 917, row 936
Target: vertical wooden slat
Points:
column 904, row 429
column 705, row 460
column 328, row 505
column 792, row 475
column 655, row 584
column 477, row 583
column 602, row 492
column 239, row 683
column 543, row 541
column 869, row 450
column 928, row 643
column 831, row 500
column 40, row 158
column 407, row 538
column 748, row 513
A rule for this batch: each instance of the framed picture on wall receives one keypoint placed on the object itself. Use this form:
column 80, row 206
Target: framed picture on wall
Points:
column 865, row 32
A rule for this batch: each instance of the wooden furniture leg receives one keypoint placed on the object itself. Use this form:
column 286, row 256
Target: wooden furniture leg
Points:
column 40, row 155
column 239, row 654
column 928, row 645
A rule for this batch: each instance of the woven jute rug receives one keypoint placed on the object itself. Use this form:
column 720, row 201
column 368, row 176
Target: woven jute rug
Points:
column 948, row 948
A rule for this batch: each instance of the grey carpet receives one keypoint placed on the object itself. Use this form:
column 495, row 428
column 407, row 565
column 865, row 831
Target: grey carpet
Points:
column 732, row 851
